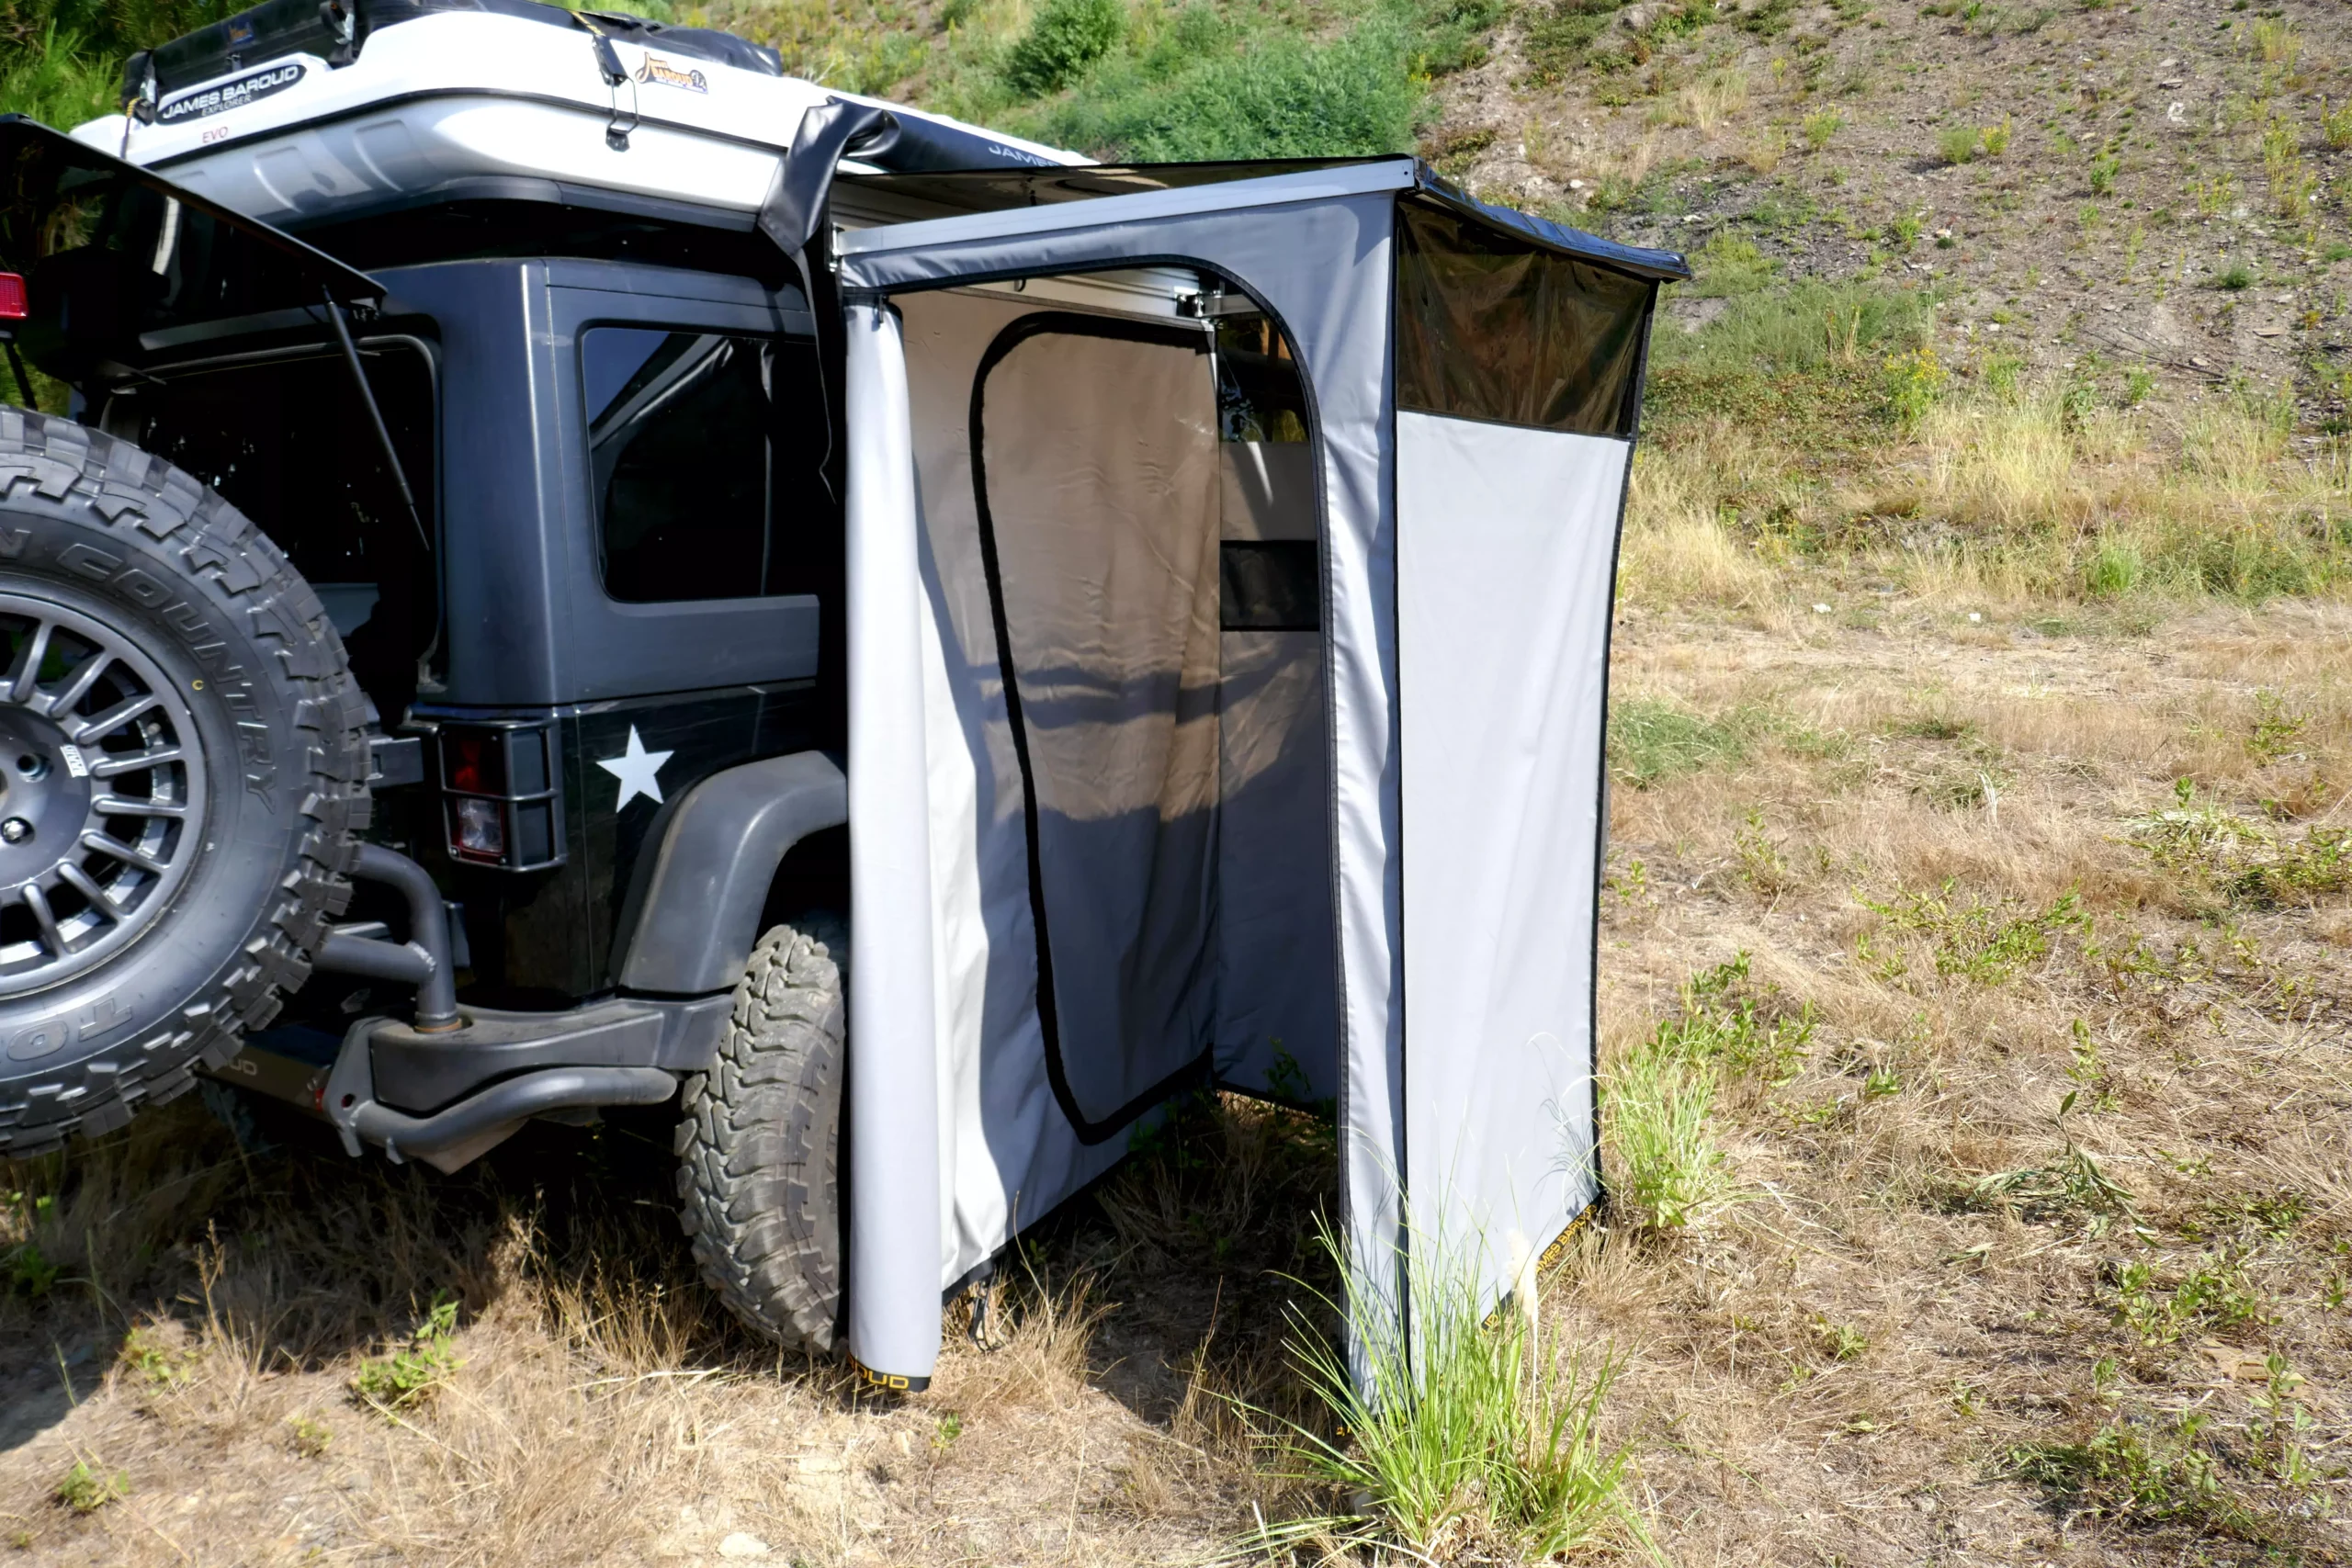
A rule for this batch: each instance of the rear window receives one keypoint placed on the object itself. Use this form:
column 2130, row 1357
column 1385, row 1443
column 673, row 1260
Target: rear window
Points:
column 704, row 450
column 287, row 442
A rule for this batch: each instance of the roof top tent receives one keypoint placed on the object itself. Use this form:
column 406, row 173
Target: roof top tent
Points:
column 307, row 113
column 1231, row 559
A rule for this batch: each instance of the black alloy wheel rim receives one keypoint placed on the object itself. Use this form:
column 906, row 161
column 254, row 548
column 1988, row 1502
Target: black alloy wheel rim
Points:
column 102, row 794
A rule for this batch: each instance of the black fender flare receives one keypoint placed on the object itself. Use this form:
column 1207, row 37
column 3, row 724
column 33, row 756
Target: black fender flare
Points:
column 692, row 910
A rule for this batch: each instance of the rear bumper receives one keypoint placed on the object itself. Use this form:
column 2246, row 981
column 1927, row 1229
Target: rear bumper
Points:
column 448, row 1097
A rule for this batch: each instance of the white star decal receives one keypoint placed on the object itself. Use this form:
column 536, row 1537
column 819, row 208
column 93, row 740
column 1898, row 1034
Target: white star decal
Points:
column 638, row 769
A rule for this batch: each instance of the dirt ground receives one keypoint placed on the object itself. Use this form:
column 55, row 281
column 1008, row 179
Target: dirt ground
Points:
column 2031, row 1238
column 2143, row 150
column 1865, row 1351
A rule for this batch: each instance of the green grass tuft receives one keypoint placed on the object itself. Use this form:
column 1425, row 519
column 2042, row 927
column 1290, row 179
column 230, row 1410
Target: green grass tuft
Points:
column 1650, row 741
column 1477, row 1432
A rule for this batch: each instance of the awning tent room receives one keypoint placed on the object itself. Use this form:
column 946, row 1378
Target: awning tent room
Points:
column 1231, row 553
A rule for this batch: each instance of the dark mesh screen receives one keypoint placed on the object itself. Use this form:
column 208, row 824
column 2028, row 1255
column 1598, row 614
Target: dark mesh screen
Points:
column 1492, row 327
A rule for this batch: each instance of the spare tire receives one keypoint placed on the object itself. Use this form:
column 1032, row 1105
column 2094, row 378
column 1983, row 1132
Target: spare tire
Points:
column 182, row 770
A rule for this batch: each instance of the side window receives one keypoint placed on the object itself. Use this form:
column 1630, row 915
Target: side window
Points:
column 703, row 446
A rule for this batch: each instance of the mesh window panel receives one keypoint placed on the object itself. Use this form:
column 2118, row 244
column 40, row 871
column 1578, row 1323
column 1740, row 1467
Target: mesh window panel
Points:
column 1095, row 467
column 1492, row 327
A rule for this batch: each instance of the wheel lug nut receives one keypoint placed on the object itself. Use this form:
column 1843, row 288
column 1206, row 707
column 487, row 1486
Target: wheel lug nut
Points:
column 15, row 830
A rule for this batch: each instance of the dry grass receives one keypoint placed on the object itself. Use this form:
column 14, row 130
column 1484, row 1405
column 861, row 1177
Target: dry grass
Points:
column 1889, row 1353
column 2050, row 1151
column 2009, row 499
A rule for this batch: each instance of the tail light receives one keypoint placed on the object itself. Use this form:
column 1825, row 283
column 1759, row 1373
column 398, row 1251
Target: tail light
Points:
column 502, row 795
column 13, row 304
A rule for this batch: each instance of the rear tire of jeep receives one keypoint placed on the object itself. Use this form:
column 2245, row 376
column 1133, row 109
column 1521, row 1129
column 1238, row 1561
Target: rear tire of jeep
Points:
column 183, row 768
column 759, row 1177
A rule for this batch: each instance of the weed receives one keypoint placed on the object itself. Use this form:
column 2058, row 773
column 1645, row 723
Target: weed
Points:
column 2336, row 124
column 1843, row 1341
column 64, row 77
column 2138, row 1469
column 1558, row 38
column 1283, row 96
column 1996, row 138
column 2088, row 1067
column 1959, row 143
column 2239, row 858
column 1715, row 99
column 2217, row 196
column 1903, row 230
column 2267, row 1216
column 2278, row 729
column 1821, row 126
column 2280, row 1423
column 2104, row 169
column 1836, row 331
column 307, row 1437
column 1914, row 380
column 2235, row 277
column 1463, row 1426
column 1763, row 152
column 945, row 1430
column 2292, row 181
column 1727, row 264
column 1761, row 865
column 85, row 1491
column 2275, row 41
column 157, row 1363
column 2074, row 1181
column 415, row 1372
column 1983, row 942
column 30, row 1273
column 1720, row 1022
column 2215, row 1293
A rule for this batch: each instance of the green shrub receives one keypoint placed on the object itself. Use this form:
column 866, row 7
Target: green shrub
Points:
column 1280, row 98
column 2104, row 169
column 1063, row 39
column 1556, row 39
column 1957, row 144
column 1452, row 36
column 1820, row 127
